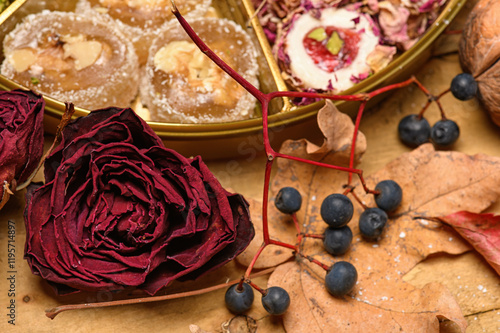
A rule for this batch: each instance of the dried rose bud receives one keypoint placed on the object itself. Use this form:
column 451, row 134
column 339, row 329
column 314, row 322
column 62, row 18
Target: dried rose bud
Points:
column 21, row 138
column 119, row 210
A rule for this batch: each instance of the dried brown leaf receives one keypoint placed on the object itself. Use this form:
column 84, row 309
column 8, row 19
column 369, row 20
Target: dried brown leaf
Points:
column 394, row 307
column 434, row 183
column 338, row 130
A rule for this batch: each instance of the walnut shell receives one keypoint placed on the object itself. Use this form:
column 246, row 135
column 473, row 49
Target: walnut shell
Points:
column 479, row 52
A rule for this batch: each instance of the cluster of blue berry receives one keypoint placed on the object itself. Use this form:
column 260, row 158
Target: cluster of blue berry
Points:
column 415, row 130
column 336, row 211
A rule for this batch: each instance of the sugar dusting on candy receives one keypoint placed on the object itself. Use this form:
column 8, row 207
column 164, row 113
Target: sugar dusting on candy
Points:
column 170, row 96
column 142, row 25
column 114, row 80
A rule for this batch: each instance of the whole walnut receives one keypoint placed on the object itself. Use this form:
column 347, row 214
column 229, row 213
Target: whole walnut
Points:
column 479, row 52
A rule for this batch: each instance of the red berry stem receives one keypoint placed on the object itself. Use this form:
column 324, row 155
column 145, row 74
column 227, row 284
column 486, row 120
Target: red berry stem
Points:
column 289, row 246
column 299, row 233
column 443, row 93
column 430, row 98
column 254, row 259
column 354, row 138
column 265, row 196
column 313, row 236
column 325, row 165
column 256, row 287
column 426, row 106
column 359, row 200
column 314, row 261
column 296, row 223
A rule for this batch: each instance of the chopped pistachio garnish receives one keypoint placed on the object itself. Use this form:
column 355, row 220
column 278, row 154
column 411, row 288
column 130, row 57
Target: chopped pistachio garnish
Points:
column 334, row 44
column 318, row 34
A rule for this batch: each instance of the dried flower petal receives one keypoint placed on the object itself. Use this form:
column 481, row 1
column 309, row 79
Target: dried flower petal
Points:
column 21, row 138
column 119, row 210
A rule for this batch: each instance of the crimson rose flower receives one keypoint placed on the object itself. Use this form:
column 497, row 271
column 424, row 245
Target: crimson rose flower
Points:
column 118, row 210
column 21, row 138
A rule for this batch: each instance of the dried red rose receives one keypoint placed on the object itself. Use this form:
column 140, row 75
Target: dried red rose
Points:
column 21, row 138
column 119, row 210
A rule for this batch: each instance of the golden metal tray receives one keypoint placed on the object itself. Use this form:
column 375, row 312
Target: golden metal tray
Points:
column 242, row 139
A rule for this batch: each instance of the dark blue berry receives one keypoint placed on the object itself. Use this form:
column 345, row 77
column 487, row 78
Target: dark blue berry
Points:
column 445, row 132
column 337, row 210
column 463, row 86
column 288, row 200
column 276, row 300
column 390, row 195
column 414, row 130
column 239, row 301
column 337, row 240
column 372, row 222
column 341, row 278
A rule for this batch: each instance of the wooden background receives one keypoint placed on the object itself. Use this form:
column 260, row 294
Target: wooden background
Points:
column 475, row 285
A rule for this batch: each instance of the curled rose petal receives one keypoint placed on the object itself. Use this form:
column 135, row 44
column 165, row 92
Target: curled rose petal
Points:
column 21, row 138
column 119, row 210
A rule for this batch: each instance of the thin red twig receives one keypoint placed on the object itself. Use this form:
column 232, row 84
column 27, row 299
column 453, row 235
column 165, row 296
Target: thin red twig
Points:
column 52, row 313
column 265, row 99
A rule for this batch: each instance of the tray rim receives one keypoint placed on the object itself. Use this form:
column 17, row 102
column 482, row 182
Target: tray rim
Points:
column 177, row 131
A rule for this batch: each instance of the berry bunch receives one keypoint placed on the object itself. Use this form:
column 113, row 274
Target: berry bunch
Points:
column 415, row 130
column 336, row 209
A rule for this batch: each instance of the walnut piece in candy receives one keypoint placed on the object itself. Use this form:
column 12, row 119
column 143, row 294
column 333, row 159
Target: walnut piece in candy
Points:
column 140, row 20
column 183, row 85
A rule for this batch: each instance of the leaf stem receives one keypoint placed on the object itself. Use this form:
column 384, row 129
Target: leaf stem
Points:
column 52, row 313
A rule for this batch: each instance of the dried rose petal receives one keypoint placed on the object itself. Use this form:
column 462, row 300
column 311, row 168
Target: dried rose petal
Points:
column 21, row 138
column 118, row 210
